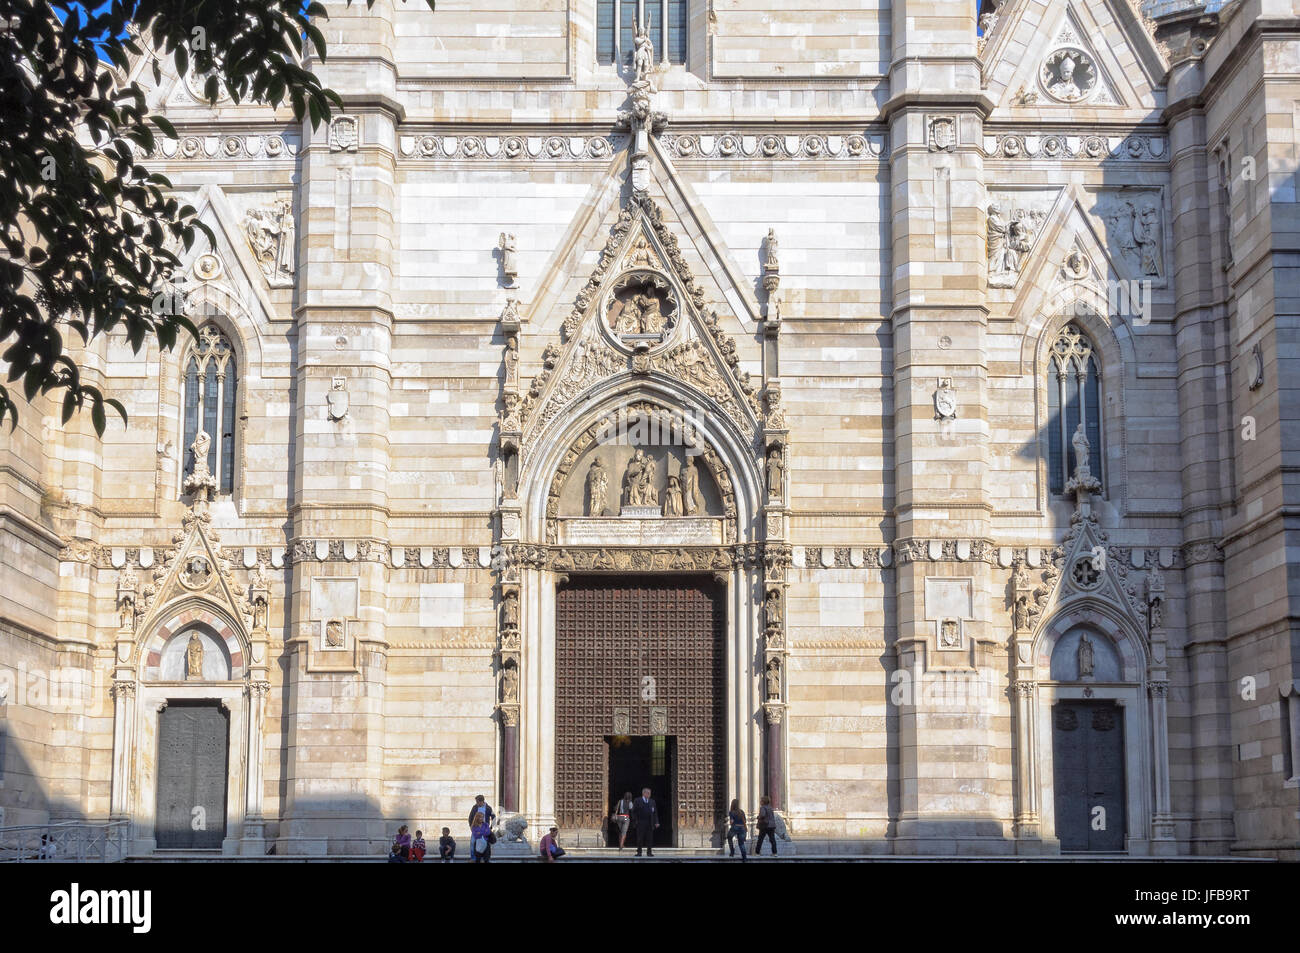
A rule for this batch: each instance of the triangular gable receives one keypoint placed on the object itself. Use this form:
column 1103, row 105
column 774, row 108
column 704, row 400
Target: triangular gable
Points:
column 1081, row 571
column 643, row 235
column 226, row 276
column 1079, row 253
column 193, row 567
column 1113, row 62
column 601, row 338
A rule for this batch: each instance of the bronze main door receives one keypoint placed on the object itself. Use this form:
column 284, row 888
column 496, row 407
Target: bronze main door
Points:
column 641, row 657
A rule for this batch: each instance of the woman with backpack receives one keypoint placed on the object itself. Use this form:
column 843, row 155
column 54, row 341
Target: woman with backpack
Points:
column 766, row 825
column 736, row 828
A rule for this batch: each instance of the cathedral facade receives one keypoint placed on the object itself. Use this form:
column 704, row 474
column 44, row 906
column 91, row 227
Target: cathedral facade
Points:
column 875, row 407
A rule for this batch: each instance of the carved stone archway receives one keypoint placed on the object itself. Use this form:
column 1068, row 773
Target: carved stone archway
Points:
column 533, row 563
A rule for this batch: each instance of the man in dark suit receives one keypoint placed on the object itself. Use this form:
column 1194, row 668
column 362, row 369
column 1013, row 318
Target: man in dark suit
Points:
column 646, row 818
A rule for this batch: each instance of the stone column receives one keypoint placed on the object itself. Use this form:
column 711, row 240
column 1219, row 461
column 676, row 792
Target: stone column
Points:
column 334, row 778
column 123, row 692
column 949, row 795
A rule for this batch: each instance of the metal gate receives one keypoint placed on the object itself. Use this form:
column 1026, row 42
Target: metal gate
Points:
column 192, row 760
column 1088, row 774
column 640, row 656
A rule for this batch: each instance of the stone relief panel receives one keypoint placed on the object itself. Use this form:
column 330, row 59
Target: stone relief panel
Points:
column 1015, row 220
column 1135, row 230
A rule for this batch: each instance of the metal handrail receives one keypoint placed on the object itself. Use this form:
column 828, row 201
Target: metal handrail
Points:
column 66, row 841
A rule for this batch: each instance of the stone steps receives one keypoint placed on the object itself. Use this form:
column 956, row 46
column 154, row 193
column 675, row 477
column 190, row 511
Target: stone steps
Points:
column 668, row 855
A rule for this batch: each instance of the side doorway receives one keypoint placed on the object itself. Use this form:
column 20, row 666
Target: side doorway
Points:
column 1088, row 775
column 193, row 761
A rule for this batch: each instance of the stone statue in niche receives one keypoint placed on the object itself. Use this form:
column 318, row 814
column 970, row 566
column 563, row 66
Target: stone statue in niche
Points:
column 772, row 260
column 1069, row 75
column 1021, row 613
column 510, row 610
column 194, row 658
column 127, row 584
column 597, row 489
column 772, row 608
column 639, row 481
column 1085, row 657
column 690, row 487
column 775, row 474
column 673, row 498
column 509, row 259
column 509, row 684
column 774, row 680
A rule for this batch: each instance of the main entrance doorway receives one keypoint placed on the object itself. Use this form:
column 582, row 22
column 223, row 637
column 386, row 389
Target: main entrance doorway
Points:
column 1088, row 775
column 640, row 701
column 192, row 761
column 646, row 762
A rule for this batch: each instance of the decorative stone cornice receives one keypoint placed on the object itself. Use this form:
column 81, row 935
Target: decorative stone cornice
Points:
column 507, row 146
column 740, row 145
column 1063, row 145
column 230, row 147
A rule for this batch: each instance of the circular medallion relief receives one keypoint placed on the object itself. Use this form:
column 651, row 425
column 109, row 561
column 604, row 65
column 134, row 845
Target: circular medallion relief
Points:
column 1069, row 75
column 641, row 310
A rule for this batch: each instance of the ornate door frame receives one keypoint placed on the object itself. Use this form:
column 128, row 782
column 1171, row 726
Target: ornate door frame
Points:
column 534, row 566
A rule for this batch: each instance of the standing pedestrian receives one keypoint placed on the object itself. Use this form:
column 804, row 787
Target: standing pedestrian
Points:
column 623, row 817
column 736, row 828
column 481, row 811
column 481, row 842
column 766, row 825
column 646, row 818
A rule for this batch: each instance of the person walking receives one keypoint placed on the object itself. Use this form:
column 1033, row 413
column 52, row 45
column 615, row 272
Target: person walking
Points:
column 736, row 829
column 646, row 818
column 766, row 825
column 481, row 811
column 623, row 817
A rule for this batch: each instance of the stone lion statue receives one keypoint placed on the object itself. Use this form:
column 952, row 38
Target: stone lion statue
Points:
column 513, row 827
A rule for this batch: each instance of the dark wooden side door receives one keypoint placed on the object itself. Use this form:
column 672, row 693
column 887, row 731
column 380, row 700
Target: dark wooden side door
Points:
column 192, row 761
column 1088, row 775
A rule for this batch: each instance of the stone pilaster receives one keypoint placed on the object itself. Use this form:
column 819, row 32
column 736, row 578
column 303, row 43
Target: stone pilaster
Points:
column 944, row 640
column 338, row 608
